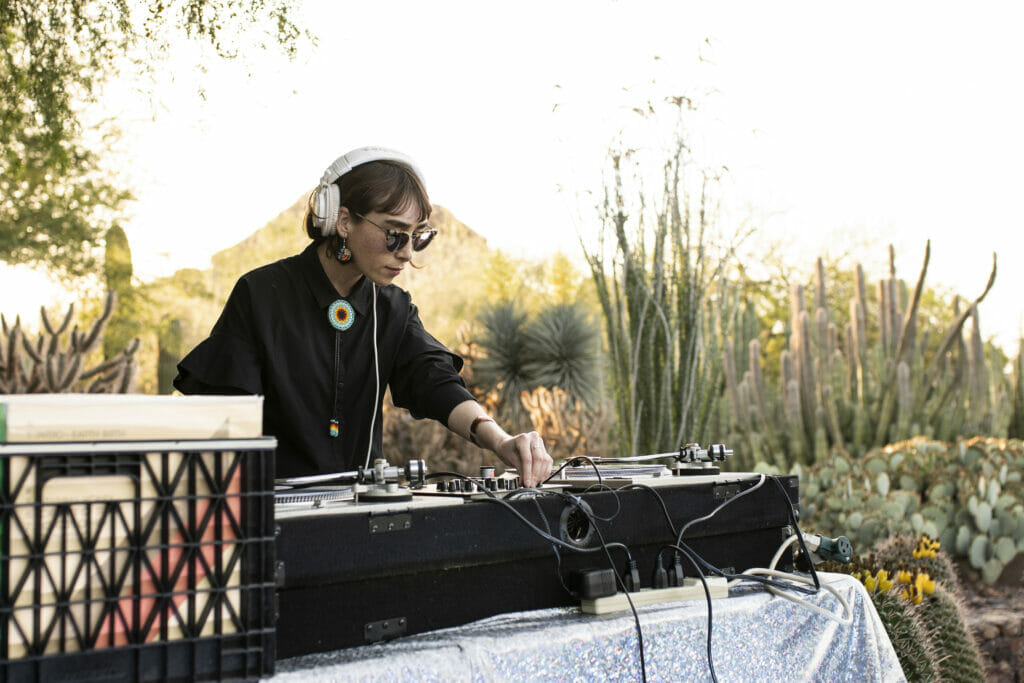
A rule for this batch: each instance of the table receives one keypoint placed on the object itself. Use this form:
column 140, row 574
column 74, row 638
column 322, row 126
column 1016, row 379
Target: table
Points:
column 756, row 636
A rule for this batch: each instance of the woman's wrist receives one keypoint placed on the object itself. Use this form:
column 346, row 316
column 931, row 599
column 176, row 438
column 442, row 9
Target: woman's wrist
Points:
column 475, row 425
column 495, row 436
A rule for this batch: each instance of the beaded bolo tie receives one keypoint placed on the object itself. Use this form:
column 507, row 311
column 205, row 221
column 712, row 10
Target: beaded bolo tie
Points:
column 341, row 315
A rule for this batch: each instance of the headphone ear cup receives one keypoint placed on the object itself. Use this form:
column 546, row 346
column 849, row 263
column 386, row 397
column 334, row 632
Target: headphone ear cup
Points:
column 328, row 199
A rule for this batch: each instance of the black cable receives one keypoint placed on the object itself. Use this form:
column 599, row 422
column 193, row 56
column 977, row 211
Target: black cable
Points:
column 548, row 537
column 632, row 607
column 707, row 596
column 590, row 489
column 730, row 501
column 781, row 584
column 435, row 475
column 799, row 534
column 554, row 549
column 693, row 557
column 688, row 552
column 556, row 543
column 604, row 545
column 572, row 462
column 764, row 580
column 657, row 496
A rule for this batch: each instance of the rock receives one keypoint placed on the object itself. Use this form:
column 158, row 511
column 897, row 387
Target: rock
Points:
column 988, row 631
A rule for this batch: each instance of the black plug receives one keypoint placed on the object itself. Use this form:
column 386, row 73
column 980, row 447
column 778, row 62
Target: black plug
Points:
column 675, row 574
column 632, row 580
column 660, row 579
column 591, row 584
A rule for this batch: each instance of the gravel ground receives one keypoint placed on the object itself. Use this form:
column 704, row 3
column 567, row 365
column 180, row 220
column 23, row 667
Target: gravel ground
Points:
column 996, row 616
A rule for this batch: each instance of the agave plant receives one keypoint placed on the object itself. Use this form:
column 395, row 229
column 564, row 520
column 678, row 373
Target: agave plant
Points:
column 557, row 348
column 502, row 368
column 563, row 352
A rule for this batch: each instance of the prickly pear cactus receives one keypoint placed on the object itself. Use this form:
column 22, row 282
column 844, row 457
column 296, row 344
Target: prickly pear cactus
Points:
column 968, row 495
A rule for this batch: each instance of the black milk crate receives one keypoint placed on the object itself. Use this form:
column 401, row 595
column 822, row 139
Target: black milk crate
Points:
column 149, row 560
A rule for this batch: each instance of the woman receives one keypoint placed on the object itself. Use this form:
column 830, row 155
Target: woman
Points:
column 320, row 334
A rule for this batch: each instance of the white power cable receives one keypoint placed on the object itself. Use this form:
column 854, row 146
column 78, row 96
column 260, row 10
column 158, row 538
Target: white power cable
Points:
column 730, row 501
column 847, row 617
column 376, row 376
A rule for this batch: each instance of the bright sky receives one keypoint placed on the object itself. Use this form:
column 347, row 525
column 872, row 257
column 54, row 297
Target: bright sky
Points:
column 840, row 123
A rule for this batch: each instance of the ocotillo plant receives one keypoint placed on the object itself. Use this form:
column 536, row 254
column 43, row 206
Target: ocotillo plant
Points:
column 57, row 362
column 663, row 314
column 864, row 387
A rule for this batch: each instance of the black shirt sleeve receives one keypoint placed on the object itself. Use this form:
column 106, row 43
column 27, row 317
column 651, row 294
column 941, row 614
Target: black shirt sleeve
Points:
column 228, row 361
column 426, row 380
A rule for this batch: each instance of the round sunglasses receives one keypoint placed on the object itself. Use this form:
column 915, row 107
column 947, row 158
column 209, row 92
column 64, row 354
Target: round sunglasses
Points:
column 397, row 239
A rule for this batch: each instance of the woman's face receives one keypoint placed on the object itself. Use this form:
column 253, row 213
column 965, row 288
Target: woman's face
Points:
column 367, row 237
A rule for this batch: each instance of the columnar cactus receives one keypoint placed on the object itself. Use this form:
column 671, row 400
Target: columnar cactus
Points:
column 56, row 362
column 850, row 390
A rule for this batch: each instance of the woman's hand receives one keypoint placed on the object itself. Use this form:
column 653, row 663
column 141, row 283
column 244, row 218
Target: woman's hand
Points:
column 527, row 454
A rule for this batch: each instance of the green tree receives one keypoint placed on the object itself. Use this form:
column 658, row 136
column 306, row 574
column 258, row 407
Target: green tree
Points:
column 55, row 201
column 502, row 278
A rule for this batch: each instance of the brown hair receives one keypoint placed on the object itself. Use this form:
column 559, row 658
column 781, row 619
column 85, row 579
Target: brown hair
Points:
column 383, row 186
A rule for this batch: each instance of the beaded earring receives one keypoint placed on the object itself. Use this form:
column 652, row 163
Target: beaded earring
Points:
column 343, row 254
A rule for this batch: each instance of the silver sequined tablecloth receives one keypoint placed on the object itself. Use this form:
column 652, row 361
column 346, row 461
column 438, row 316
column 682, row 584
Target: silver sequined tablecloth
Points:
column 756, row 636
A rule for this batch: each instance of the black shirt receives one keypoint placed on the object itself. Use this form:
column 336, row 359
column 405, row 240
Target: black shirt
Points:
column 274, row 338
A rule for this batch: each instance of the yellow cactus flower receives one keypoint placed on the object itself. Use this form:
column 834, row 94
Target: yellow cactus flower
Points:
column 883, row 581
column 911, row 595
column 926, row 548
column 903, row 576
column 870, row 583
column 924, row 584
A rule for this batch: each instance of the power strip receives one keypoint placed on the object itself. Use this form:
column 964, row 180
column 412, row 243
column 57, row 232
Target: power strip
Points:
column 692, row 589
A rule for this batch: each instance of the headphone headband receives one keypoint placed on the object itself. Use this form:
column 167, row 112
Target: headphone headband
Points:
column 363, row 155
column 328, row 199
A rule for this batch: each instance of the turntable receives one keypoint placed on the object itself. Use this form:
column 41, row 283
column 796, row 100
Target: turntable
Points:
column 375, row 554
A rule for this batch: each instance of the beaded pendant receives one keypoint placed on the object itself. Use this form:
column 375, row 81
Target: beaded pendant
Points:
column 341, row 315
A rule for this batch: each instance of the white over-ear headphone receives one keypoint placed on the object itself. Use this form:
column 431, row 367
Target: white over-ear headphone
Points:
column 328, row 197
